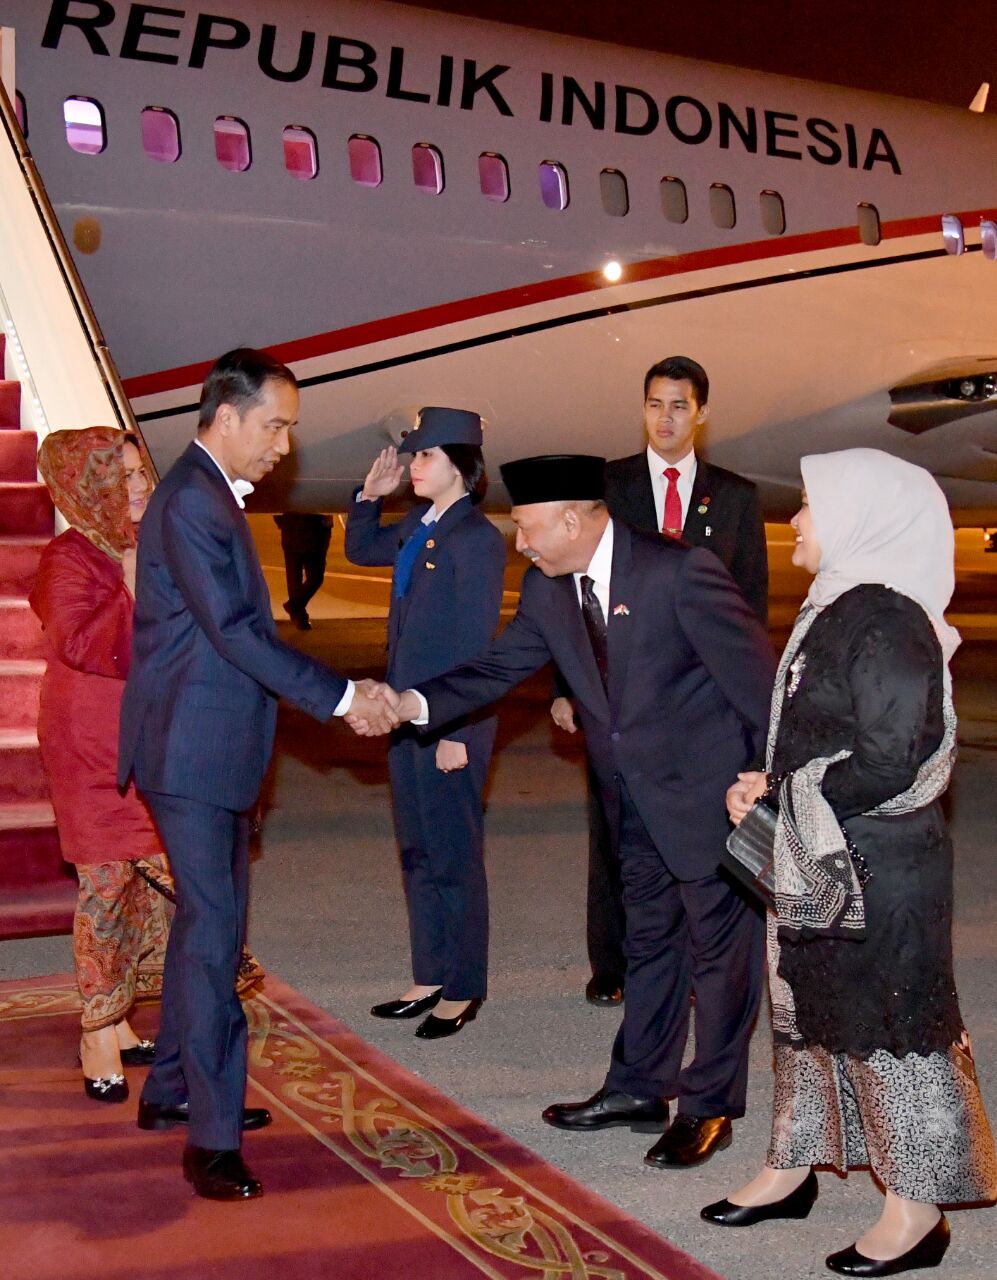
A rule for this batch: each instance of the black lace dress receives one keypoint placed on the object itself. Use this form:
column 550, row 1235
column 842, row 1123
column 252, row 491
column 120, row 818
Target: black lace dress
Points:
column 870, row 680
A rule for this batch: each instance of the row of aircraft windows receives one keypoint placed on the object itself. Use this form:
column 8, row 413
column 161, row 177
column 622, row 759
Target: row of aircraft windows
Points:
column 86, row 133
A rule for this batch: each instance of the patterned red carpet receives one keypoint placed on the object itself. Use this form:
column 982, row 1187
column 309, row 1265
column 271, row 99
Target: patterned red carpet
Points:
column 369, row 1173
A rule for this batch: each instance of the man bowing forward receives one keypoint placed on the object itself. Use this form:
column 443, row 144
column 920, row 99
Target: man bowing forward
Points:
column 671, row 673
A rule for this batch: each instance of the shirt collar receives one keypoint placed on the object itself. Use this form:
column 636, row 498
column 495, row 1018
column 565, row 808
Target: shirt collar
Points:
column 600, row 568
column 241, row 489
column 685, row 466
column 431, row 515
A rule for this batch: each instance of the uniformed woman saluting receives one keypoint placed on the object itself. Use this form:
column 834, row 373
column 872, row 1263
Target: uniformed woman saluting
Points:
column 446, row 592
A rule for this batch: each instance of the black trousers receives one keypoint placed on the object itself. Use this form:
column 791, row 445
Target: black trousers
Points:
column 304, row 571
column 605, row 918
column 684, row 937
column 201, row 1045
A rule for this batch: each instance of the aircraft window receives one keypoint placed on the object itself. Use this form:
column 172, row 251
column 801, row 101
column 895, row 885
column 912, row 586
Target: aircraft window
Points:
column 365, row 160
column 773, row 212
column 232, row 149
column 869, row 229
column 300, row 151
column 674, row 201
column 85, row 131
column 988, row 239
column 160, row 134
column 427, row 168
column 21, row 111
column 953, row 236
column 554, row 185
column 615, row 196
column 493, row 174
column 722, row 206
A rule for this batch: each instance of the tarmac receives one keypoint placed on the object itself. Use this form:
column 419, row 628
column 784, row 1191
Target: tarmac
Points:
column 328, row 917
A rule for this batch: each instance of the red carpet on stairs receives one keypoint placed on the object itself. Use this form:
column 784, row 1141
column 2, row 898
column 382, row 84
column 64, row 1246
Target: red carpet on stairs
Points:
column 37, row 889
column 368, row 1172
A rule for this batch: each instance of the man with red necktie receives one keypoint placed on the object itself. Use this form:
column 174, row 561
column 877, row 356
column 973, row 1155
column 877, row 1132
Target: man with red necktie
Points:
column 667, row 489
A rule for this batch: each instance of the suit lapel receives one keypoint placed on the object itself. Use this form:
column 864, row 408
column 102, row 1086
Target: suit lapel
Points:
column 645, row 515
column 696, row 521
column 620, row 623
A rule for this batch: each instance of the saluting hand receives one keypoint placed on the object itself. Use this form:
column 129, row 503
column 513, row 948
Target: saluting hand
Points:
column 384, row 476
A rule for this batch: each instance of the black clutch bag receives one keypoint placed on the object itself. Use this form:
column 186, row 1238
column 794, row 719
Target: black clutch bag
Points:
column 750, row 853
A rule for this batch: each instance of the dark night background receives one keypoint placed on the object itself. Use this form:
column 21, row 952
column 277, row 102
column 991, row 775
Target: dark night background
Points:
column 937, row 51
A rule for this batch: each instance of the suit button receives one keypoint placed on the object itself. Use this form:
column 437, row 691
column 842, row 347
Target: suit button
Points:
column 615, row 737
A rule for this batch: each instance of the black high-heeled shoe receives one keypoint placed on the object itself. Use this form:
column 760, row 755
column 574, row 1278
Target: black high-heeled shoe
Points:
column 112, row 1088
column 435, row 1028
column 408, row 1008
column 928, row 1252
column 796, row 1205
column 142, row 1054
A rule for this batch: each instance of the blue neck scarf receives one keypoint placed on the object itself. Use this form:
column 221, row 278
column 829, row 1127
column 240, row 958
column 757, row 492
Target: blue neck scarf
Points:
column 407, row 557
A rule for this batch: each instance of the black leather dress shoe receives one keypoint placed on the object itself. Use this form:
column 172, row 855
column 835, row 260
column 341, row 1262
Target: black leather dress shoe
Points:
column 601, row 990
column 219, row 1175
column 155, row 1115
column 435, row 1028
column 690, row 1140
column 142, row 1054
column 796, row 1205
column 408, row 1008
column 606, row 1109
column 928, row 1252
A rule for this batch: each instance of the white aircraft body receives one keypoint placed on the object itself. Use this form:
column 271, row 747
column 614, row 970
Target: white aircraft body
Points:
column 412, row 208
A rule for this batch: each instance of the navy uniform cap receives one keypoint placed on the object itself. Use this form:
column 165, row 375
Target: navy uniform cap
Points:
column 442, row 426
column 555, row 477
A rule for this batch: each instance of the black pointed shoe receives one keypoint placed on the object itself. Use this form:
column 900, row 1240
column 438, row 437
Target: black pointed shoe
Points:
column 690, row 1140
column 408, row 1008
column 142, row 1054
column 219, row 1175
column 112, row 1088
column 606, row 1109
column 435, row 1028
column 928, row 1252
column 165, row 1115
column 603, row 991
column 796, row 1205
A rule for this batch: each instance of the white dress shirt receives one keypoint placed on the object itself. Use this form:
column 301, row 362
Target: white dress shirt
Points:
column 686, row 468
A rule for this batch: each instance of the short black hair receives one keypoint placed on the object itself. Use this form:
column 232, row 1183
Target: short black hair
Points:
column 680, row 369
column 470, row 462
column 238, row 378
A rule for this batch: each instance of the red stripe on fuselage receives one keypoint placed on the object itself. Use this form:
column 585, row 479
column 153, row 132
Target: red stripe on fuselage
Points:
column 397, row 326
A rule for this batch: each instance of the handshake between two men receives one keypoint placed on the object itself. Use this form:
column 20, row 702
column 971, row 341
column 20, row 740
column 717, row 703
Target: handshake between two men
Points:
column 376, row 708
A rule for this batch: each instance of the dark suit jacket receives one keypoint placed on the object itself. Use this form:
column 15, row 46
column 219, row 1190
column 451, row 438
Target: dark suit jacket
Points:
column 200, row 704
column 690, row 680
column 733, row 517
column 451, row 610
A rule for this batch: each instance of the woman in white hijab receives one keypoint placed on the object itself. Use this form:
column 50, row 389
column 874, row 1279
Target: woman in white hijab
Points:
column 873, row 1064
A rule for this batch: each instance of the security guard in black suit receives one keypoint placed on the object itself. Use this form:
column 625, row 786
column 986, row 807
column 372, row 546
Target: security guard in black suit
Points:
column 446, row 593
column 713, row 508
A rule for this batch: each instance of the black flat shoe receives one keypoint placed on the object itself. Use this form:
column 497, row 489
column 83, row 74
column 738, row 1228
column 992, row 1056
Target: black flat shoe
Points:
column 435, row 1028
column 106, row 1088
column 603, row 991
column 157, row 1115
column 606, row 1109
column 408, row 1008
column 796, row 1205
column 142, row 1054
column 928, row 1252
column 219, row 1175
column 690, row 1140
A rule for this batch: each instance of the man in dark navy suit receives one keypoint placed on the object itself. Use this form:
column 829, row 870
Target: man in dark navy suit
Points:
column 666, row 489
column 197, row 731
column 671, row 675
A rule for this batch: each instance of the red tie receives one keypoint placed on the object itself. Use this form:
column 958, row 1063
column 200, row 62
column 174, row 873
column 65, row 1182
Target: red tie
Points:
column 671, row 526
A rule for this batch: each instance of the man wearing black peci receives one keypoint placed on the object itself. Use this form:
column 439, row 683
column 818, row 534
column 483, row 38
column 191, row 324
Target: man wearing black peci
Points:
column 671, row 675
column 666, row 489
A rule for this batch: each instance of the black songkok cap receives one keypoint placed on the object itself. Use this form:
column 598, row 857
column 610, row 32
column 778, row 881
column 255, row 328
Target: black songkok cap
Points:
column 442, row 426
column 555, row 477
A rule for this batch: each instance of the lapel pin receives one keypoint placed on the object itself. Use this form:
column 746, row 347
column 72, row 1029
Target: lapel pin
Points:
column 430, row 543
column 705, row 499
column 708, row 530
column 702, row 508
column 621, row 610
column 430, row 565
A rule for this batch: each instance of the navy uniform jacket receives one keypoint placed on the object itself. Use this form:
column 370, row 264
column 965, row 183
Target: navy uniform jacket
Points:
column 690, row 680
column 451, row 610
column 733, row 517
column 200, row 703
